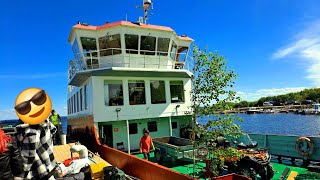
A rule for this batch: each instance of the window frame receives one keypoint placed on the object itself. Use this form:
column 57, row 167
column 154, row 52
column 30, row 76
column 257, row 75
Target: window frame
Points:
column 156, row 126
column 183, row 91
column 93, row 52
column 176, row 50
column 77, row 95
column 163, row 53
column 164, row 86
column 176, row 126
column 136, row 126
column 148, row 51
column 144, row 91
column 74, row 104
column 132, row 50
column 85, row 97
column 81, row 103
column 107, row 91
column 113, row 50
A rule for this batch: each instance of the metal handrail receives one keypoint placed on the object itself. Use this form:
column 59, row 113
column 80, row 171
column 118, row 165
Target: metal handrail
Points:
column 95, row 57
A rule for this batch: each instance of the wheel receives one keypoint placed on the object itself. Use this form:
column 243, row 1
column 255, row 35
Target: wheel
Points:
column 267, row 173
column 158, row 156
column 247, row 171
column 270, row 172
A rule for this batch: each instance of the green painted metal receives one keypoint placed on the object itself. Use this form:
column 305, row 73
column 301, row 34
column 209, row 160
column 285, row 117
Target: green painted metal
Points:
column 285, row 146
column 177, row 148
column 120, row 131
column 187, row 168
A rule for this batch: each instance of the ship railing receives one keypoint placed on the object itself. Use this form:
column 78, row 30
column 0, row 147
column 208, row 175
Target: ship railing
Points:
column 131, row 58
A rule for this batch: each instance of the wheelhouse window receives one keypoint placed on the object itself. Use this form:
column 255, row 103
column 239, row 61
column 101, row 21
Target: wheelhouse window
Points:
column 132, row 43
column 133, row 128
column 173, row 53
column 110, row 45
column 92, row 63
column 76, row 50
column 176, row 91
column 89, row 45
column 158, row 92
column 152, row 126
column 113, row 93
column 136, row 92
column 163, row 46
column 148, row 45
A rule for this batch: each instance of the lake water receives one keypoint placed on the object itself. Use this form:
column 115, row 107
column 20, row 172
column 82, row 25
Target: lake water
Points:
column 284, row 124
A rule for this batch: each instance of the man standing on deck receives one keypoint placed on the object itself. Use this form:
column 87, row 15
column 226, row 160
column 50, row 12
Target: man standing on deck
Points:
column 145, row 143
column 56, row 120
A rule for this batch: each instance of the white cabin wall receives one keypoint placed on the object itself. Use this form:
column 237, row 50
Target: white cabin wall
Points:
column 103, row 113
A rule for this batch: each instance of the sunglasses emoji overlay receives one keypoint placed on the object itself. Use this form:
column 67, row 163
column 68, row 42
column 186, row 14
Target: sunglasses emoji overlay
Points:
column 33, row 106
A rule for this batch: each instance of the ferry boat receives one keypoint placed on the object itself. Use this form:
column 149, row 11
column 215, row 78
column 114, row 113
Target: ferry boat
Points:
column 126, row 77
column 129, row 76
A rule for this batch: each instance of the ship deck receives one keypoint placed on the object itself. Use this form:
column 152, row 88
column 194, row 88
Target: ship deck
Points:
column 62, row 152
column 187, row 168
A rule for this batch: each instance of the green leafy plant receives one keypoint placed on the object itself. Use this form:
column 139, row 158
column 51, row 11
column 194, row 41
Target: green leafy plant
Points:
column 212, row 91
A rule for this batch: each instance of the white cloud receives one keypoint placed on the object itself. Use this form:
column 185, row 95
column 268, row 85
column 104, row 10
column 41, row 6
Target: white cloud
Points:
column 32, row 76
column 255, row 95
column 306, row 46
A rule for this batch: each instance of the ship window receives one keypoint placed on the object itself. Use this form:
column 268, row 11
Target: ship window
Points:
column 173, row 53
column 92, row 63
column 158, row 92
column 85, row 97
column 113, row 93
column 74, row 104
column 81, row 99
column 133, row 128
column 78, row 102
column 110, row 45
column 176, row 91
column 163, row 46
column 68, row 106
column 136, row 92
column 76, row 51
column 152, row 126
column 132, row 42
column 89, row 46
column 174, row 125
column 71, row 104
column 148, row 45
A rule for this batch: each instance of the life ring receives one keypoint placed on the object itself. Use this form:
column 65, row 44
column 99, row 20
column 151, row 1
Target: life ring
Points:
column 310, row 146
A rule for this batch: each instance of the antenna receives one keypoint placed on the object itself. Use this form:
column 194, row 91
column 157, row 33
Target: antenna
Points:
column 147, row 5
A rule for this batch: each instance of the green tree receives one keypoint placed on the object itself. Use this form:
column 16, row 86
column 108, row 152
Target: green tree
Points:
column 212, row 91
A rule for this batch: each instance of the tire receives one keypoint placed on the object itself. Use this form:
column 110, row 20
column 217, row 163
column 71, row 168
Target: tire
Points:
column 270, row 172
column 158, row 156
column 267, row 173
column 247, row 171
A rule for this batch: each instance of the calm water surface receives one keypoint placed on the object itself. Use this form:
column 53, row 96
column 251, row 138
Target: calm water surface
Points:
column 285, row 124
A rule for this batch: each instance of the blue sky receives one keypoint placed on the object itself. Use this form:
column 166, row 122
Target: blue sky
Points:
column 273, row 45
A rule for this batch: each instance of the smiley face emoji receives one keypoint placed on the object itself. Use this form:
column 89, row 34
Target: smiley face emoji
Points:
column 33, row 106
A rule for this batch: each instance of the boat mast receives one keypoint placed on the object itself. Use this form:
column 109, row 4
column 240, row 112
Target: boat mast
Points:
column 147, row 5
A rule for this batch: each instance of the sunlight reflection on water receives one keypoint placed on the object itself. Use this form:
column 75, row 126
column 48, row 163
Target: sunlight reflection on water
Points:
column 285, row 124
